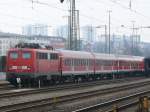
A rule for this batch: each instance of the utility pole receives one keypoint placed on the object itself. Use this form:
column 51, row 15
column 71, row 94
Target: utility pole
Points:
column 78, row 31
column 106, row 39
column 73, row 26
column 91, row 33
column 132, row 37
column 109, row 40
column 136, row 37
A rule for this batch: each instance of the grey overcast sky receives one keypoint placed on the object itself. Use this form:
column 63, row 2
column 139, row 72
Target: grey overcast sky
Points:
column 16, row 13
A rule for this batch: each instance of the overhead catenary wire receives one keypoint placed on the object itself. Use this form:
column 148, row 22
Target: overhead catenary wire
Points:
column 62, row 9
column 81, row 14
column 124, row 7
column 130, row 9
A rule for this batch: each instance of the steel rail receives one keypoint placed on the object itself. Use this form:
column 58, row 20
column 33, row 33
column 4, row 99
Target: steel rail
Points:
column 111, row 102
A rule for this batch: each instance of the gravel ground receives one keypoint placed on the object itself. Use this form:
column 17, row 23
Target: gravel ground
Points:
column 19, row 99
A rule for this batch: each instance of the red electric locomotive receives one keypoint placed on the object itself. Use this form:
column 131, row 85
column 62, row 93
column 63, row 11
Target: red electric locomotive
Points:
column 53, row 66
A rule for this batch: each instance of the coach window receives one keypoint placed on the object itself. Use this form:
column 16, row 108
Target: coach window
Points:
column 100, row 63
column 71, row 62
column 97, row 62
column 83, row 62
column 86, row 62
column 75, row 62
column 91, row 62
column 13, row 55
column 65, row 61
column 26, row 55
column 80, row 62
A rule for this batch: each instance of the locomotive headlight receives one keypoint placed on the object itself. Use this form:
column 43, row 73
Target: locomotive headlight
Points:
column 13, row 67
column 24, row 67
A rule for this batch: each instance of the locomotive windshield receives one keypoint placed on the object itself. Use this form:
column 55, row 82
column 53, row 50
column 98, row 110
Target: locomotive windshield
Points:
column 26, row 55
column 13, row 55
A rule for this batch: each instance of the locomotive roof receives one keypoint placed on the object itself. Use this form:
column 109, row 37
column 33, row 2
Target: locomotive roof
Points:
column 29, row 49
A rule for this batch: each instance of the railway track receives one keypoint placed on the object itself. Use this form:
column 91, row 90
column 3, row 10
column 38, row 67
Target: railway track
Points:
column 123, row 103
column 61, row 87
column 126, row 106
column 61, row 99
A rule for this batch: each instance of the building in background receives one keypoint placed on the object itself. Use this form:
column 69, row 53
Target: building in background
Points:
column 62, row 31
column 36, row 29
column 119, row 44
column 88, row 37
column 88, row 33
column 9, row 40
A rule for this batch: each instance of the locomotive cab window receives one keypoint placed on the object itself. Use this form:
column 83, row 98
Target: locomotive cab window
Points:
column 26, row 55
column 13, row 55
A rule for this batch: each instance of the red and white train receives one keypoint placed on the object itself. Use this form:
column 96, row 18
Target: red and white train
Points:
column 52, row 66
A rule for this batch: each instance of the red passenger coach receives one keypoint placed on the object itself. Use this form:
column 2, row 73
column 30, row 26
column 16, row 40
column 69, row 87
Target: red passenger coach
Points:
column 77, row 64
column 109, row 65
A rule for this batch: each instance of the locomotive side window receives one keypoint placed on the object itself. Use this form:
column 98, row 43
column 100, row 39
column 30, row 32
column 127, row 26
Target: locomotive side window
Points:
column 42, row 55
column 13, row 55
column 26, row 55
column 53, row 56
